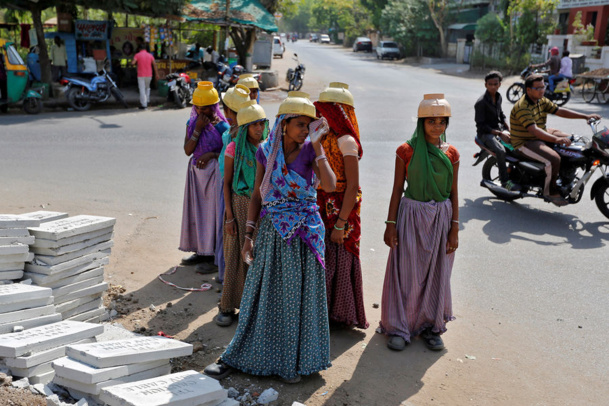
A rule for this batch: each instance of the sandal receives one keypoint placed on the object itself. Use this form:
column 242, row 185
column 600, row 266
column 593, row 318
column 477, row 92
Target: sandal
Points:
column 224, row 319
column 296, row 379
column 206, row 268
column 432, row 341
column 218, row 370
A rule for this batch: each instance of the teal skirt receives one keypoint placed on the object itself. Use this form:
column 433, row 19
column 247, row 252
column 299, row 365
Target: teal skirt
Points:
column 283, row 322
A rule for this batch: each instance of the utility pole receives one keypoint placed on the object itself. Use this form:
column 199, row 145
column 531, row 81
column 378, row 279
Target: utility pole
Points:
column 227, row 27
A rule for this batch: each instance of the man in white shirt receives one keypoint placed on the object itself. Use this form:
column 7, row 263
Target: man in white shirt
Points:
column 566, row 70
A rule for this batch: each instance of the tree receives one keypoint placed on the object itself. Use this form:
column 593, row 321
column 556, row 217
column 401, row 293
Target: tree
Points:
column 490, row 28
column 442, row 13
column 347, row 16
column 409, row 23
column 376, row 9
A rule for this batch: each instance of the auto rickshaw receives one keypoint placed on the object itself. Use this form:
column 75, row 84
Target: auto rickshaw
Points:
column 18, row 86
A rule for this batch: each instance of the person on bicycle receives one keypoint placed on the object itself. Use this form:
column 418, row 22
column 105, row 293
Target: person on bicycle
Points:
column 490, row 120
column 530, row 135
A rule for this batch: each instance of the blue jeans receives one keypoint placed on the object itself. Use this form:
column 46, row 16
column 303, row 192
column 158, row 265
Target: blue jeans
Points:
column 553, row 78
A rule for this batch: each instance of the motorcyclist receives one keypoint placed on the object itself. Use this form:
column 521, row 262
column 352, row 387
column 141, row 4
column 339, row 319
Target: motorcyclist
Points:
column 489, row 120
column 554, row 64
column 530, row 135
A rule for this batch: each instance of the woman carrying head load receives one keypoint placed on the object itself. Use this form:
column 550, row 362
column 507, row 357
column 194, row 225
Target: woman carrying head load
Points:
column 422, row 232
column 202, row 198
column 239, row 176
column 340, row 210
column 283, row 323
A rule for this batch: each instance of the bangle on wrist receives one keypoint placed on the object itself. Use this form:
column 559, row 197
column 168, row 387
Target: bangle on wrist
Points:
column 342, row 219
column 339, row 228
column 390, row 222
column 229, row 221
column 248, row 238
column 455, row 221
column 319, row 158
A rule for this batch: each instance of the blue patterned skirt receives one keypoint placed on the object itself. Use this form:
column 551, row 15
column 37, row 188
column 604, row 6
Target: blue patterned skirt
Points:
column 283, row 322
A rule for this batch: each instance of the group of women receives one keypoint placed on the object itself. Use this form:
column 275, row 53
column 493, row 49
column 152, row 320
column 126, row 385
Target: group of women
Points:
column 279, row 210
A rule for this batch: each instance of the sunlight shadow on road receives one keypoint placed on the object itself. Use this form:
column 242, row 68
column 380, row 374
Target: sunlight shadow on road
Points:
column 104, row 125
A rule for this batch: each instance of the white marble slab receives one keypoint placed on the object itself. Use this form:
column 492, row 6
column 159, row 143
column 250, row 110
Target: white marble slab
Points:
column 71, row 267
column 96, row 303
column 188, row 388
column 14, row 249
column 90, row 291
column 68, row 227
column 23, row 257
column 87, row 316
column 44, row 216
column 26, row 304
column 46, row 337
column 30, row 323
column 44, row 243
column 121, row 352
column 12, row 266
column 53, row 281
column 32, row 371
column 73, row 287
column 95, row 388
column 64, row 249
column 26, row 314
column 19, row 292
column 54, row 260
column 11, row 275
column 72, row 304
column 28, row 240
column 17, row 221
column 68, row 368
column 31, row 359
column 14, row 232
column 44, row 378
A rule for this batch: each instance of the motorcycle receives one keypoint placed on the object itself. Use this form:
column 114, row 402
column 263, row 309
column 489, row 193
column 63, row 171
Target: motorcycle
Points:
column 82, row 91
column 227, row 76
column 180, row 88
column 560, row 95
column 295, row 77
column 578, row 163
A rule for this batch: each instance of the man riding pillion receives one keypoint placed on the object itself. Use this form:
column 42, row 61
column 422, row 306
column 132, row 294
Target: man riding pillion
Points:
column 489, row 120
column 530, row 135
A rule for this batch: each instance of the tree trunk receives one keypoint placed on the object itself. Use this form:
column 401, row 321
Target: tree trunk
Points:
column 242, row 39
column 45, row 62
column 440, row 28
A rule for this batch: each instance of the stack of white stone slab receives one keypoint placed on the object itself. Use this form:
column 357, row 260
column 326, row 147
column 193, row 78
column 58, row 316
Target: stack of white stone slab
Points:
column 188, row 388
column 26, row 306
column 88, row 368
column 29, row 353
column 14, row 241
column 70, row 255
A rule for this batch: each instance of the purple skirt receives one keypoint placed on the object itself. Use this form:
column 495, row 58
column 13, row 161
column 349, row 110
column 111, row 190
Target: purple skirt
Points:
column 416, row 291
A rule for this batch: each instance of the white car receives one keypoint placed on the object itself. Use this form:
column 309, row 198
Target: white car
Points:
column 278, row 47
column 324, row 39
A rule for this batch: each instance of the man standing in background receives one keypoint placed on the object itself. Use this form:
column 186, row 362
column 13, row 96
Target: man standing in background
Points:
column 59, row 59
column 145, row 67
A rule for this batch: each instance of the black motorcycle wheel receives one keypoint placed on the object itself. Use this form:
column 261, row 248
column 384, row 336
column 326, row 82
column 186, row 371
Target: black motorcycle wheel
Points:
column 179, row 98
column 602, row 199
column 490, row 172
column 588, row 90
column 119, row 97
column 298, row 84
column 291, row 85
column 75, row 102
column 563, row 98
column 32, row 105
column 515, row 92
column 262, row 86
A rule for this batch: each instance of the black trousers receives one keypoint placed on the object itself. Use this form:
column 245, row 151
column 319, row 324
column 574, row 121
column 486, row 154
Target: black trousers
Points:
column 492, row 142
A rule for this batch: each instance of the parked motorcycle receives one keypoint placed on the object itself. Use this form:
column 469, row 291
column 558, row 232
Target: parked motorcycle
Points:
column 295, row 77
column 179, row 88
column 81, row 91
column 560, row 95
column 227, row 76
column 578, row 163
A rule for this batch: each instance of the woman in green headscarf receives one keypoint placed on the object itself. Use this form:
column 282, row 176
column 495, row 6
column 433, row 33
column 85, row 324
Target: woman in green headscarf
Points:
column 422, row 232
column 239, row 177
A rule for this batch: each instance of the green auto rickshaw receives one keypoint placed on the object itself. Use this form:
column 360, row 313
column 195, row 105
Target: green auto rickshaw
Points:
column 17, row 80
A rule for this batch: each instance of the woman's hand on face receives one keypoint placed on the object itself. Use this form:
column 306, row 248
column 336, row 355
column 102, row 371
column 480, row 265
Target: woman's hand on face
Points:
column 337, row 236
column 318, row 128
column 391, row 236
column 202, row 122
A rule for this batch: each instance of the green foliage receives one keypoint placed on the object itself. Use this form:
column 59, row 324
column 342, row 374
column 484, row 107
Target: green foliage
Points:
column 296, row 19
column 408, row 22
column 490, row 28
column 335, row 16
column 531, row 20
column 376, row 8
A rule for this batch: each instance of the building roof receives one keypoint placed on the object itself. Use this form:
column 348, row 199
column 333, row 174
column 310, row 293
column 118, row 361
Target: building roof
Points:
column 246, row 12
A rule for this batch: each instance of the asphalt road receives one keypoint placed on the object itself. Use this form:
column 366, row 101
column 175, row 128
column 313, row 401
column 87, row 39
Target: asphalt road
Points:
column 530, row 285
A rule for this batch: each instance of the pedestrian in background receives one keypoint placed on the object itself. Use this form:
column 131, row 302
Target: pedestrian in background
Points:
column 146, row 67
column 283, row 322
column 340, row 210
column 422, row 232
column 248, row 80
column 59, row 59
column 239, row 177
column 202, row 197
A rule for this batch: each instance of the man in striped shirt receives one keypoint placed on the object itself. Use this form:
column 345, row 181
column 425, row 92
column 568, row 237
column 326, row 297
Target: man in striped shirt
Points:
column 530, row 135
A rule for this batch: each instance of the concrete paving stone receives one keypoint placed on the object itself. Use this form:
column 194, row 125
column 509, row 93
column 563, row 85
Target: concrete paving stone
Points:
column 115, row 331
column 130, row 351
column 46, row 337
column 32, row 371
column 13, row 266
column 44, row 216
column 96, row 303
column 71, row 267
column 88, row 315
column 27, row 304
column 95, row 388
column 11, row 275
column 74, row 370
column 44, row 243
column 59, row 282
column 99, row 319
column 30, row 323
column 81, row 395
column 20, row 383
column 229, row 402
column 28, row 240
column 20, row 292
column 188, row 388
column 25, row 314
column 16, row 221
column 29, row 360
column 23, row 257
column 43, row 389
column 42, row 378
column 64, row 249
column 91, row 290
column 71, row 226
column 14, row 232
column 73, row 287
column 72, row 304
column 14, row 249
column 54, row 260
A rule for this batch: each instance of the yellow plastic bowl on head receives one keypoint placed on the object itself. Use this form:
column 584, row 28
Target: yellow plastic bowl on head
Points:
column 434, row 105
column 235, row 97
column 248, row 80
column 297, row 103
column 337, row 92
column 250, row 111
column 205, row 95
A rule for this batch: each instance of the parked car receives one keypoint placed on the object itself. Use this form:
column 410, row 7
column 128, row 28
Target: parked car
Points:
column 362, row 44
column 387, row 49
column 313, row 38
column 324, row 39
column 278, row 47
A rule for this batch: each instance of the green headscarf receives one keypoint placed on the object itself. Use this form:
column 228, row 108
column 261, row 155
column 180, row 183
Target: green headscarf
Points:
column 244, row 175
column 430, row 172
